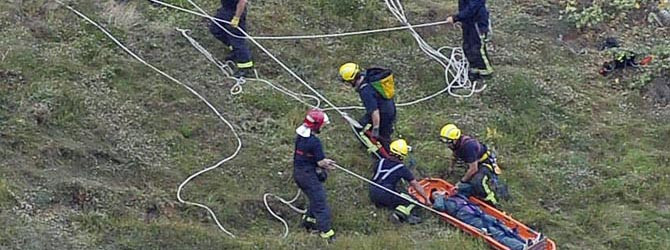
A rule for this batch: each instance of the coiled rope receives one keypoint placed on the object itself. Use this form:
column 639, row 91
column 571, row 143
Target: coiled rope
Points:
column 226, row 71
column 455, row 66
column 334, row 107
column 237, row 88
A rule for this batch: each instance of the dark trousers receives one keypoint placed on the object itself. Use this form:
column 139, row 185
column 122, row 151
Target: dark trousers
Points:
column 386, row 122
column 318, row 205
column 382, row 198
column 474, row 47
column 481, row 183
column 495, row 229
column 241, row 53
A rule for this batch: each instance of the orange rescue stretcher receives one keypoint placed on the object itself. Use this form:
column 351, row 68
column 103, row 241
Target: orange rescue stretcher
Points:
column 434, row 184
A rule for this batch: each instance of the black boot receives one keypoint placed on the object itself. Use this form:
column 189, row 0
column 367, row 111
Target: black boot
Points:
column 396, row 217
column 309, row 223
column 230, row 57
column 472, row 76
column 245, row 72
column 413, row 220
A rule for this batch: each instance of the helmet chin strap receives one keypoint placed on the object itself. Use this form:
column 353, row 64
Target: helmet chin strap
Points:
column 397, row 156
column 451, row 145
column 357, row 81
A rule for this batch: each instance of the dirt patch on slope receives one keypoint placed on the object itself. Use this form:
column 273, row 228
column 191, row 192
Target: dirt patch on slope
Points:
column 658, row 91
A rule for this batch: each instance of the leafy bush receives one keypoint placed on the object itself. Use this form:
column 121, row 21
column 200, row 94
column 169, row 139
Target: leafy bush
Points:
column 592, row 13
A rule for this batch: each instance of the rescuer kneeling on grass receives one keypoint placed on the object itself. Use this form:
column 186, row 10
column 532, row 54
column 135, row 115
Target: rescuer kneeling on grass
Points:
column 482, row 167
column 388, row 173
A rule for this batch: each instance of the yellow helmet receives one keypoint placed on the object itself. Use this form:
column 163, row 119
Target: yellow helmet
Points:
column 348, row 71
column 450, row 132
column 399, row 147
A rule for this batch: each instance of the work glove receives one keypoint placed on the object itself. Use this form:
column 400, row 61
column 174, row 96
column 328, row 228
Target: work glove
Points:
column 235, row 22
column 321, row 174
column 375, row 132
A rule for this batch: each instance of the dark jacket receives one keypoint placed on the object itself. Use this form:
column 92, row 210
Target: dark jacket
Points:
column 473, row 12
column 229, row 4
column 308, row 152
column 371, row 98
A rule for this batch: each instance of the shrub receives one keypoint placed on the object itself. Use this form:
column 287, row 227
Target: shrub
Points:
column 592, row 13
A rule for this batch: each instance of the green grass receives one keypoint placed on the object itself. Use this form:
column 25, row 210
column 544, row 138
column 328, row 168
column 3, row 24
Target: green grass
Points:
column 586, row 159
column 6, row 198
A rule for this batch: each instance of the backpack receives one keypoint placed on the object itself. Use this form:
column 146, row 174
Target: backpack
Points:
column 382, row 81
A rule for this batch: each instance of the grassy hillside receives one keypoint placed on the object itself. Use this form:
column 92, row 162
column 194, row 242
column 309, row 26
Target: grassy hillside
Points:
column 93, row 144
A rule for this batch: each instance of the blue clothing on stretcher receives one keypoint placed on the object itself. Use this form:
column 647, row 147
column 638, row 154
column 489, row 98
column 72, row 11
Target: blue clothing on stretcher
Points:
column 462, row 209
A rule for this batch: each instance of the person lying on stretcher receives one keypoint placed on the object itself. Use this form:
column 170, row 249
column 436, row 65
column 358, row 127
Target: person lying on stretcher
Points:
column 461, row 208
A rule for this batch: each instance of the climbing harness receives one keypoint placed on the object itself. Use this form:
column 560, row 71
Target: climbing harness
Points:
column 455, row 68
column 386, row 172
column 406, row 197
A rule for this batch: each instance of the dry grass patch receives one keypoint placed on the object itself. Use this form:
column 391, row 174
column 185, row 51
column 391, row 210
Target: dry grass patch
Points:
column 121, row 14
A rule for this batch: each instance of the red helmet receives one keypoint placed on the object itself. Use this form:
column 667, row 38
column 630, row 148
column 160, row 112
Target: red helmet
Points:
column 315, row 119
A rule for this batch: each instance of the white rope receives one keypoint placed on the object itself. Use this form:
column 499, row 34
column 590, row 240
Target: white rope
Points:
column 295, row 37
column 228, row 72
column 455, row 66
column 230, row 125
column 237, row 88
column 443, row 214
column 289, row 203
column 211, row 107
column 225, row 68
column 337, row 109
column 292, row 74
